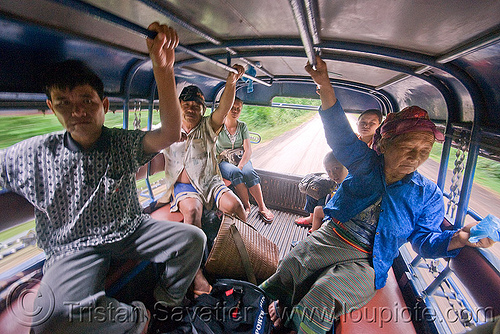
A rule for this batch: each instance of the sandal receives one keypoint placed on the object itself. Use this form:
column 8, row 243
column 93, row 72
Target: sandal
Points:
column 267, row 216
column 303, row 222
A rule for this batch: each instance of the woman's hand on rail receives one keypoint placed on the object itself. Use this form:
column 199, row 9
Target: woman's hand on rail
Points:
column 162, row 47
column 320, row 74
column 320, row 77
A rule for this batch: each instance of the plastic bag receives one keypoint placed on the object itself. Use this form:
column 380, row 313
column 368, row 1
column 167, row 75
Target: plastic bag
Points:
column 488, row 227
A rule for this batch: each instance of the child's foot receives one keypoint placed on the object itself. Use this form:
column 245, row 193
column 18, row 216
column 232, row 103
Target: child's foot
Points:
column 304, row 222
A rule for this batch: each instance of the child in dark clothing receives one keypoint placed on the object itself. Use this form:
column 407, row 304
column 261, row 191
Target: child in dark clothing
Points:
column 336, row 172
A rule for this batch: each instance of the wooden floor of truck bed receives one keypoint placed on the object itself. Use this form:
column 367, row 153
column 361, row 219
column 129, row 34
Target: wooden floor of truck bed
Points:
column 282, row 231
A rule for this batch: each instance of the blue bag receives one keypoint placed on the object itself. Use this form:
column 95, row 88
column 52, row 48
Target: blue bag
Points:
column 488, row 227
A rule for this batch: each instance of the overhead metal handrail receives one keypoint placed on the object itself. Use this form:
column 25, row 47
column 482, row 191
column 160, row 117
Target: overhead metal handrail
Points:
column 164, row 11
column 312, row 20
column 96, row 11
column 305, row 35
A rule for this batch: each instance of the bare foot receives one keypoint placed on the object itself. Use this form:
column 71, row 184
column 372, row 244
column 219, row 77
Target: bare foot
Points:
column 200, row 284
column 304, row 221
column 266, row 215
column 275, row 314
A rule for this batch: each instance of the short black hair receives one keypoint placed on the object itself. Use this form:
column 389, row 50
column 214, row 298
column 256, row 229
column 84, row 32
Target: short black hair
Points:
column 237, row 99
column 69, row 74
column 375, row 112
column 331, row 158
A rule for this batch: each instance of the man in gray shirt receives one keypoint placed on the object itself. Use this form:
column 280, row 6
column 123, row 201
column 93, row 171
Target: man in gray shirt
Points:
column 82, row 185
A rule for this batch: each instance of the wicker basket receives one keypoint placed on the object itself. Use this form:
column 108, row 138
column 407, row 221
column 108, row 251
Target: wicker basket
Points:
column 228, row 259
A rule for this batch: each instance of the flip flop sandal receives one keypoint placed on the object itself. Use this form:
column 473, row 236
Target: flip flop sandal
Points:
column 267, row 216
column 303, row 222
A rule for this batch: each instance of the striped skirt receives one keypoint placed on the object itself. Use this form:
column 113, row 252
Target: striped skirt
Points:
column 320, row 279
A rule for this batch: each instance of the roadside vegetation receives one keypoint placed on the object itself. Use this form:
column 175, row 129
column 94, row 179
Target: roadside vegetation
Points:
column 487, row 171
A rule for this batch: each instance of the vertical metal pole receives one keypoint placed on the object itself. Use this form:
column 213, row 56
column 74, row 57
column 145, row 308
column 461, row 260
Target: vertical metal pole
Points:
column 149, row 126
column 125, row 110
column 443, row 165
column 150, row 107
column 126, row 90
column 468, row 180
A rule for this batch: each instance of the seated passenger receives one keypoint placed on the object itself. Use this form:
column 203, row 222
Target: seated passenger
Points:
column 336, row 172
column 82, row 185
column 381, row 204
column 242, row 176
column 368, row 121
column 192, row 176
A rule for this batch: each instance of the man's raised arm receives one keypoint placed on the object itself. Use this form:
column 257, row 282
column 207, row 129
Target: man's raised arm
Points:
column 162, row 53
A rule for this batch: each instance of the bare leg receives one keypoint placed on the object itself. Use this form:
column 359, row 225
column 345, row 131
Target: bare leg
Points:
column 230, row 203
column 191, row 209
column 242, row 192
column 318, row 216
column 256, row 192
column 265, row 213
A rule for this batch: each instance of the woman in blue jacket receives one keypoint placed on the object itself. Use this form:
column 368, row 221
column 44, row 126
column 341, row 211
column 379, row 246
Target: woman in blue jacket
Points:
column 381, row 204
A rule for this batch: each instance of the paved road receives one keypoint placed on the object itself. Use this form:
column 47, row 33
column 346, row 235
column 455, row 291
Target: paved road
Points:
column 301, row 150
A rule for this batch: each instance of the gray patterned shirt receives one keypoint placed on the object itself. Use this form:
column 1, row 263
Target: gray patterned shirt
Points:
column 81, row 198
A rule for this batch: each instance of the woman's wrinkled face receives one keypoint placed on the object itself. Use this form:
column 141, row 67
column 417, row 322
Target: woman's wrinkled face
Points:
column 405, row 153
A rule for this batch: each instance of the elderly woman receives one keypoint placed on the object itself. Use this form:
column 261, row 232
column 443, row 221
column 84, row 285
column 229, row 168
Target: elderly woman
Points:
column 242, row 175
column 382, row 203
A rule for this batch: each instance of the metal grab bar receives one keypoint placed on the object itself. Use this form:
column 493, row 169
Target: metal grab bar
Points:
column 163, row 10
column 96, row 11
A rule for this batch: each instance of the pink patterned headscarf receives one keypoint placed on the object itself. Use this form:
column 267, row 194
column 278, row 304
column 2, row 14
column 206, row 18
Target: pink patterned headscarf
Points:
column 410, row 119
